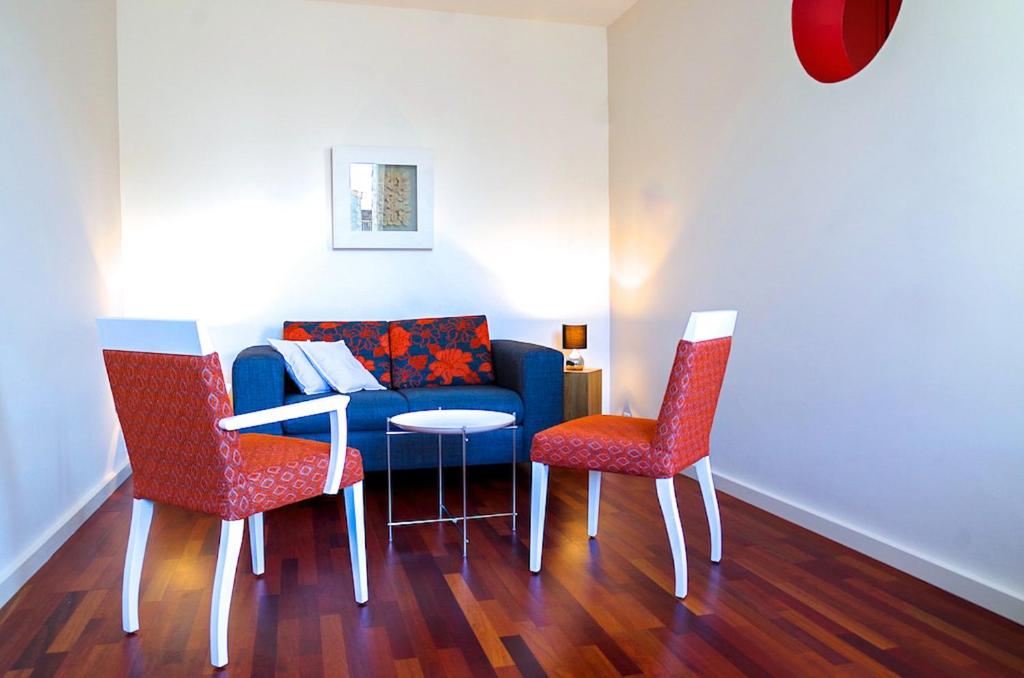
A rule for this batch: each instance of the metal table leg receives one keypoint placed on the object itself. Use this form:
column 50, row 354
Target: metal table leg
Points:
column 465, row 513
column 440, row 481
column 514, row 431
column 387, row 436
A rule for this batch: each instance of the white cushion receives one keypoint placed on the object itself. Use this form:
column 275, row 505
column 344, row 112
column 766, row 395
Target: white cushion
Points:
column 302, row 371
column 335, row 362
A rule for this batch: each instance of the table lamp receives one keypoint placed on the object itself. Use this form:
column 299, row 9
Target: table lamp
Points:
column 574, row 337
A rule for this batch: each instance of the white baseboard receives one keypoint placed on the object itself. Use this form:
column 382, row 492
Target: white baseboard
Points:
column 35, row 556
column 989, row 596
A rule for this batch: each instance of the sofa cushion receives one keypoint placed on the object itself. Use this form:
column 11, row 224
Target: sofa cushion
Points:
column 440, row 352
column 302, row 371
column 465, row 398
column 368, row 341
column 367, row 411
column 335, row 363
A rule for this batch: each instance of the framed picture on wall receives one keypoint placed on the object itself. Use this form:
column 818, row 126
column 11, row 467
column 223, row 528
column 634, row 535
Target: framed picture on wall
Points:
column 383, row 198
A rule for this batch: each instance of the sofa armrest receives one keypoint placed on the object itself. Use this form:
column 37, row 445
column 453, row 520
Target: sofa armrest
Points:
column 535, row 373
column 257, row 383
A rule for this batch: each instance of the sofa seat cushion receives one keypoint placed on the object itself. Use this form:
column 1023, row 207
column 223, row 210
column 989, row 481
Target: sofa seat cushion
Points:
column 367, row 411
column 440, row 352
column 368, row 341
column 465, row 398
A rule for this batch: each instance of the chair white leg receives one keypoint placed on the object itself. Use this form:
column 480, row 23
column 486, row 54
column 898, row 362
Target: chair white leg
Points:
column 223, row 583
column 538, row 504
column 593, row 503
column 142, row 518
column 256, row 543
column 667, row 499
column 707, row 489
column 357, row 539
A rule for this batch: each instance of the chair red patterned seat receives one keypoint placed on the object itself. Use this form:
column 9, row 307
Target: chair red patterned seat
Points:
column 659, row 449
column 282, row 471
column 185, row 449
column 598, row 443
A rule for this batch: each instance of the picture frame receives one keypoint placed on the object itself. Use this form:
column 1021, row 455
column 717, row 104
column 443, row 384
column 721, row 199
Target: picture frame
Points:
column 382, row 198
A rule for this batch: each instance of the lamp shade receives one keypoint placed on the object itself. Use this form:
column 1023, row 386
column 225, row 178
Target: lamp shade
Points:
column 574, row 336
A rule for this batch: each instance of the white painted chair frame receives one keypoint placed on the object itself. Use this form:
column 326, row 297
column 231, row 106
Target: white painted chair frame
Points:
column 188, row 338
column 702, row 326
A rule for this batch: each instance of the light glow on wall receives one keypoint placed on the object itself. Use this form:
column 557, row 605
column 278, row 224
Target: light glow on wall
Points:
column 641, row 247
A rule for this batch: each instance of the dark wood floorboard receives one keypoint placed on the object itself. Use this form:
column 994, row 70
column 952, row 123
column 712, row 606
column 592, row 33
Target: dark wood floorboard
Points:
column 783, row 602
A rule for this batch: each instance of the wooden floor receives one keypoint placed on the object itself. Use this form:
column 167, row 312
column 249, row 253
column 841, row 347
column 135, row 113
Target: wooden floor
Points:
column 783, row 602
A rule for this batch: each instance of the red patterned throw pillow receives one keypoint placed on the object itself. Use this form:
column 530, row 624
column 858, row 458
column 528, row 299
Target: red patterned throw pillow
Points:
column 440, row 352
column 368, row 341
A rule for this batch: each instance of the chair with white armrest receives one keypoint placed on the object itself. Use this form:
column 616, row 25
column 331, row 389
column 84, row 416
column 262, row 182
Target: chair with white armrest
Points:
column 185, row 450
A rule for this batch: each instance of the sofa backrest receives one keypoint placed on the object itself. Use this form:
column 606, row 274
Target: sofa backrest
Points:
column 409, row 353
column 440, row 352
column 368, row 341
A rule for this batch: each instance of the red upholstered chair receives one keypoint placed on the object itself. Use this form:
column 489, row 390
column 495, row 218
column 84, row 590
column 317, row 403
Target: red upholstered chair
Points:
column 185, row 450
column 656, row 449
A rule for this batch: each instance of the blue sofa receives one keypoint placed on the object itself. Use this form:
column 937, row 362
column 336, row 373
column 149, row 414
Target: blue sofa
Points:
column 527, row 381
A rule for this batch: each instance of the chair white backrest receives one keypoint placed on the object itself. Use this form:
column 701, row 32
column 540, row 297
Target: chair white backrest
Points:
column 180, row 337
column 707, row 325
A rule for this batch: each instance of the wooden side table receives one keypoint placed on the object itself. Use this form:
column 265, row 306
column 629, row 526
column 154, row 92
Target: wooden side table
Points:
column 582, row 393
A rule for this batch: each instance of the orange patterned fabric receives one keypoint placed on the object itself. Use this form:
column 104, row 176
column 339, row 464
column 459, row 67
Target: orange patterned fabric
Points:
column 367, row 339
column 688, row 408
column 169, row 407
column 646, row 447
column 283, row 470
column 440, row 352
column 599, row 442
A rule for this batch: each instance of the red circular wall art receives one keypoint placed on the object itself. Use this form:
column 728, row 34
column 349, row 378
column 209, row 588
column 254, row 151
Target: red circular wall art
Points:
column 835, row 39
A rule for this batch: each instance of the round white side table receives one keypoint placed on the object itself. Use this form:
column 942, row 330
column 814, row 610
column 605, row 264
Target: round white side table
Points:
column 462, row 423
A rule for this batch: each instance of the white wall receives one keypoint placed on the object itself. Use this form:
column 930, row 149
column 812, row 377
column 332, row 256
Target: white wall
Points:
column 870, row 234
column 229, row 108
column 59, row 244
